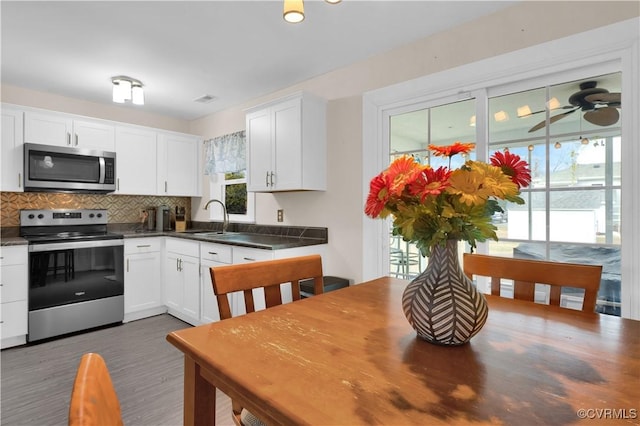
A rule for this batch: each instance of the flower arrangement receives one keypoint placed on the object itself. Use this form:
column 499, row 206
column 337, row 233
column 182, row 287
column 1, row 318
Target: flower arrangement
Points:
column 430, row 206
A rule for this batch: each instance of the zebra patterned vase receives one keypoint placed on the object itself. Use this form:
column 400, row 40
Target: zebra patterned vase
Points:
column 441, row 303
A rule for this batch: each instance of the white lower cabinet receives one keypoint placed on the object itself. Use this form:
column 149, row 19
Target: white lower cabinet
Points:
column 142, row 278
column 182, row 279
column 13, row 295
column 211, row 255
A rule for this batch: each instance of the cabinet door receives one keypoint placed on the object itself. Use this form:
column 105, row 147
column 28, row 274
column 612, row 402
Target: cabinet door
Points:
column 178, row 165
column 287, row 145
column 12, row 164
column 136, row 161
column 259, row 137
column 210, row 312
column 190, row 269
column 48, row 129
column 142, row 282
column 94, row 135
column 172, row 282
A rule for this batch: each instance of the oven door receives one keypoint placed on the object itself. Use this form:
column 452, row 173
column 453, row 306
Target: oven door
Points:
column 64, row 273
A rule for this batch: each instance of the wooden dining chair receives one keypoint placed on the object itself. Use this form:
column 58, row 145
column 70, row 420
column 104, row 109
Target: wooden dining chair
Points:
column 268, row 274
column 94, row 401
column 526, row 273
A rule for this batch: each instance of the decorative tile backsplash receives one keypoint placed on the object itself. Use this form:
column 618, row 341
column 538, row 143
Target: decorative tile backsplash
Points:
column 121, row 208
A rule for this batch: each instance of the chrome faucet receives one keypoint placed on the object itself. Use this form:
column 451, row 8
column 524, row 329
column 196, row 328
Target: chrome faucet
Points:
column 225, row 215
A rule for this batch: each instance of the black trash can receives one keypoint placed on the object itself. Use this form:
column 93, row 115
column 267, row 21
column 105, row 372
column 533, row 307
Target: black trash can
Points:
column 330, row 284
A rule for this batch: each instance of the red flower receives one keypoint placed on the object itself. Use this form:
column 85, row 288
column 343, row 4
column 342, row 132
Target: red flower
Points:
column 430, row 182
column 451, row 150
column 402, row 172
column 513, row 166
column 378, row 196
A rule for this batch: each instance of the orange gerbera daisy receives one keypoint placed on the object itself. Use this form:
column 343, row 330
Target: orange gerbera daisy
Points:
column 451, row 150
column 513, row 166
column 401, row 172
column 378, row 196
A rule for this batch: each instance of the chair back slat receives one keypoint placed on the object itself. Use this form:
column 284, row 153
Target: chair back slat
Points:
column 526, row 273
column 268, row 274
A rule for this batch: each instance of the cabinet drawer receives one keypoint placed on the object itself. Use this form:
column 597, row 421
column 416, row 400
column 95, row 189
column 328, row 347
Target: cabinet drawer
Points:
column 243, row 255
column 142, row 245
column 183, row 247
column 13, row 319
column 16, row 255
column 216, row 252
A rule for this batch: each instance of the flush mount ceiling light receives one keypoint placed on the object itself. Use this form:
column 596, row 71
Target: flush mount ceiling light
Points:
column 127, row 89
column 294, row 10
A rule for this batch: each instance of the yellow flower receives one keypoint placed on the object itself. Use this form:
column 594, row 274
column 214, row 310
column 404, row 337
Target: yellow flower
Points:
column 468, row 184
column 495, row 181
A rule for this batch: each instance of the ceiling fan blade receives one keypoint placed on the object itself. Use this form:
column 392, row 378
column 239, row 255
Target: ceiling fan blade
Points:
column 602, row 116
column 552, row 120
column 603, row 98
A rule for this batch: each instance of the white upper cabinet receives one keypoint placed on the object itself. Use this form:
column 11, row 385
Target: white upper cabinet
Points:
column 287, row 145
column 178, row 165
column 64, row 130
column 11, row 175
column 135, row 161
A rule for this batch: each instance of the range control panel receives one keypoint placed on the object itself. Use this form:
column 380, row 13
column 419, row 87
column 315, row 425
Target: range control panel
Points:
column 63, row 217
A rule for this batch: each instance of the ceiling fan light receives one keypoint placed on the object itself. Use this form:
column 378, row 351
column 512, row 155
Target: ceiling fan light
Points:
column 524, row 111
column 553, row 103
column 558, row 145
column 293, row 11
column 501, row 116
column 584, row 141
column 137, row 94
column 333, row 1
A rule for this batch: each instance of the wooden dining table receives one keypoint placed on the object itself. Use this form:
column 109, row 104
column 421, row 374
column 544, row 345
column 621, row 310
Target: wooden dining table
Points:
column 350, row 357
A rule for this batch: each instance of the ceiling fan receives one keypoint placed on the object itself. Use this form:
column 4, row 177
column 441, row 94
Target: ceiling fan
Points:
column 600, row 106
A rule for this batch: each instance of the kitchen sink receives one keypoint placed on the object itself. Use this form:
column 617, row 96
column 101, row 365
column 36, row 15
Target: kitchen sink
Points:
column 216, row 234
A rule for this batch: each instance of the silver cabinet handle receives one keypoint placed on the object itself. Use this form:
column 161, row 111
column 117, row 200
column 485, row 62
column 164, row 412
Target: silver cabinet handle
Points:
column 266, row 179
column 165, row 186
column 143, row 245
column 19, row 180
column 68, row 138
column 118, row 184
column 76, row 139
column 177, row 264
column 271, row 178
column 250, row 259
column 127, row 265
column 212, row 252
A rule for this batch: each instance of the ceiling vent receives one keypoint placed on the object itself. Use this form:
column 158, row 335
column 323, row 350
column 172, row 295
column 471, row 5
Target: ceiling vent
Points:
column 205, row 99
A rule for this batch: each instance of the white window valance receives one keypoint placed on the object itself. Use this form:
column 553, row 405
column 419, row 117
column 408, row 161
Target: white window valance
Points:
column 226, row 154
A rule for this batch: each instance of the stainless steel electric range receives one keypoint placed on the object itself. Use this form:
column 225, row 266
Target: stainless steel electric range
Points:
column 76, row 274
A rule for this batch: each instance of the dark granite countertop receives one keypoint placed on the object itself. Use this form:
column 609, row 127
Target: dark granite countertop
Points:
column 264, row 237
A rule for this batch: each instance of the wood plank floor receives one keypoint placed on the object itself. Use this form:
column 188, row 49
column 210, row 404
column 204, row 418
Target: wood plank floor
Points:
column 146, row 370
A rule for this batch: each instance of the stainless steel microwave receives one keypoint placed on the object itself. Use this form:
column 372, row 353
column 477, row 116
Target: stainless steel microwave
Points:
column 64, row 169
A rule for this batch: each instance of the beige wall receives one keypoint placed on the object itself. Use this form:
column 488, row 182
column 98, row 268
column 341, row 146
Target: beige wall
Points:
column 340, row 207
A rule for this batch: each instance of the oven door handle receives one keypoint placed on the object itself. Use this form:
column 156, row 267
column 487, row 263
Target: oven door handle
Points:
column 75, row 245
